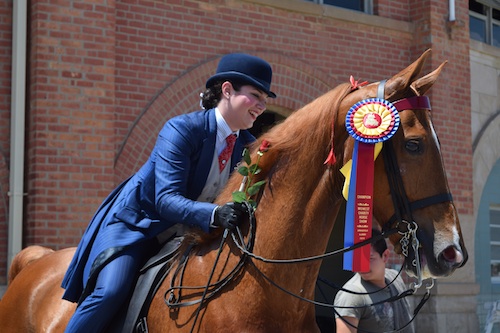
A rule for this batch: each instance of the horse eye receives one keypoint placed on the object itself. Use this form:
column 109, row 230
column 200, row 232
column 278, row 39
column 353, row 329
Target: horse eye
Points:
column 413, row 146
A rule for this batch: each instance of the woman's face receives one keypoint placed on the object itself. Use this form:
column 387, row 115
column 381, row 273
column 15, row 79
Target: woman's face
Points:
column 241, row 108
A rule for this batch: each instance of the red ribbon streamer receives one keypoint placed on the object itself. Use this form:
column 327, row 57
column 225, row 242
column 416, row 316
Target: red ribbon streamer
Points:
column 363, row 206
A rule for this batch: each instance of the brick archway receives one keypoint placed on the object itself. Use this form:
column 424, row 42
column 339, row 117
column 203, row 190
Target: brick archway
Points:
column 295, row 82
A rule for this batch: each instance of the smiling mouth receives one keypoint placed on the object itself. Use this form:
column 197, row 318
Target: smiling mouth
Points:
column 254, row 114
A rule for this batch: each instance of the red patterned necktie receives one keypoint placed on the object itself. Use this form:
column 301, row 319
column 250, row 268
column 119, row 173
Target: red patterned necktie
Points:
column 225, row 155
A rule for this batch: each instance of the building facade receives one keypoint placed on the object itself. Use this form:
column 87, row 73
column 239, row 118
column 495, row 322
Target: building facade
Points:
column 84, row 94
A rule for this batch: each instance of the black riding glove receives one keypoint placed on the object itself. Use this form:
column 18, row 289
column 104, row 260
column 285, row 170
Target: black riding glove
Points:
column 230, row 215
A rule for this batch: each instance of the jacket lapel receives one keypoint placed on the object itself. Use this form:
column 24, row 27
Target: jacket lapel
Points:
column 209, row 133
column 208, row 147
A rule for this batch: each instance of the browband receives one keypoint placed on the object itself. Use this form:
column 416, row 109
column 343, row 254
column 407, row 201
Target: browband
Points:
column 412, row 103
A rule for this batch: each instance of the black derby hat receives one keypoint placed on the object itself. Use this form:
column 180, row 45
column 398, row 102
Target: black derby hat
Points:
column 244, row 68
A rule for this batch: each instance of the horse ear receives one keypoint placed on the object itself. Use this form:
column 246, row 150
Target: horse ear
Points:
column 423, row 84
column 399, row 83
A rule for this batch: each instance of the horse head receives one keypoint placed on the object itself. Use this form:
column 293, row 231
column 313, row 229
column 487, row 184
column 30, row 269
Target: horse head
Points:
column 414, row 193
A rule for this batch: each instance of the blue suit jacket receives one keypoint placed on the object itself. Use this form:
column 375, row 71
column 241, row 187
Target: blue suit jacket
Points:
column 161, row 194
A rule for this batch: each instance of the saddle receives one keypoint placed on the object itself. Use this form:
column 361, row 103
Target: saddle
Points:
column 132, row 317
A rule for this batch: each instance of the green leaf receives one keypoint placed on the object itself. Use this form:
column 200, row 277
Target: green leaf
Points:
column 252, row 203
column 260, row 183
column 239, row 196
column 254, row 169
column 243, row 170
column 255, row 187
column 246, row 156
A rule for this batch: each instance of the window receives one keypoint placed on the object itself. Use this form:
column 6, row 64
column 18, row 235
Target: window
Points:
column 495, row 243
column 364, row 6
column 484, row 21
column 495, row 32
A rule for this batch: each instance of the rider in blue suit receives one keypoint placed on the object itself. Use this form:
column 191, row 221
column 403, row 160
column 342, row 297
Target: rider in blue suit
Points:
column 176, row 185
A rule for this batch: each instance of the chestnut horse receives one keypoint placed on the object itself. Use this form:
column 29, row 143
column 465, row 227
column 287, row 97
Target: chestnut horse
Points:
column 295, row 216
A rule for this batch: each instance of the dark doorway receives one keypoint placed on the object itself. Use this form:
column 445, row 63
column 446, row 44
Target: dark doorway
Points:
column 265, row 121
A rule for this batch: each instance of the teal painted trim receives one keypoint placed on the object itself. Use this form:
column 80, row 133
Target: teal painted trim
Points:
column 490, row 196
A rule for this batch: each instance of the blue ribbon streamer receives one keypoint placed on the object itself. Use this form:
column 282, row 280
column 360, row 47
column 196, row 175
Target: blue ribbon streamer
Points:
column 349, row 213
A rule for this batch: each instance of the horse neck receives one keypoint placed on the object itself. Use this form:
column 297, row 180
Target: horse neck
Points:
column 295, row 218
column 300, row 203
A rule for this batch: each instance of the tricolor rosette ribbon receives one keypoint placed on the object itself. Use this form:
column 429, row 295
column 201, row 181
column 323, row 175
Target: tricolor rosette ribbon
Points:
column 370, row 122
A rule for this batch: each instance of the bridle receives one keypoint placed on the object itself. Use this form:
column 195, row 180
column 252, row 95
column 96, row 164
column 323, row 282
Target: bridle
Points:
column 403, row 208
column 401, row 222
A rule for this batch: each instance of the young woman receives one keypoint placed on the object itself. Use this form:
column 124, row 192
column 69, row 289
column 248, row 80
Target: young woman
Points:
column 177, row 185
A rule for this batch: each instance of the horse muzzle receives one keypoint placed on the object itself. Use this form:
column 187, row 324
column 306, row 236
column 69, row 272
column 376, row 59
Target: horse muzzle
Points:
column 452, row 257
column 446, row 262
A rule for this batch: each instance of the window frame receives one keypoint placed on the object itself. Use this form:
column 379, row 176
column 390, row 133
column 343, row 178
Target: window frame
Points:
column 497, row 38
column 367, row 5
column 489, row 6
column 494, row 242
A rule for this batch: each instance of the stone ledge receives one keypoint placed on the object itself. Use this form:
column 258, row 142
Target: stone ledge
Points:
column 456, row 289
column 338, row 13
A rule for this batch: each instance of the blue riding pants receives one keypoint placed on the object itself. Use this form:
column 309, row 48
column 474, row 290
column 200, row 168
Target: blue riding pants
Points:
column 113, row 286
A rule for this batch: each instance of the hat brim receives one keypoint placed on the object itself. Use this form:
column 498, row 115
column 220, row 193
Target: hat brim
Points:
column 241, row 78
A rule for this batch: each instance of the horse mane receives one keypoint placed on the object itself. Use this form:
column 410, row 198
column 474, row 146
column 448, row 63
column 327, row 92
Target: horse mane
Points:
column 309, row 127
column 306, row 125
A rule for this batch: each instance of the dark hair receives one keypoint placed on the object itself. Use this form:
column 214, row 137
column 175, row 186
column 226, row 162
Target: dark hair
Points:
column 211, row 97
column 379, row 245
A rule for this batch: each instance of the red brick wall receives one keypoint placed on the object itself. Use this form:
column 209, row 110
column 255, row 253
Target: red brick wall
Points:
column 104, row 76
column 5, row 79
column 395, row 9
column 70, row 144
column 451, row 94
column 156, row 47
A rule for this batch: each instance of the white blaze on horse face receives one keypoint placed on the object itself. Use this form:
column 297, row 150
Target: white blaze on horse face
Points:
column 444, row 237
column 441, row 244
column 434, row 136
column 442, row 241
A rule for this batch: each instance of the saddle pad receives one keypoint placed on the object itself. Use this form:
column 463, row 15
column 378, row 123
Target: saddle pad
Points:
column 151, row 276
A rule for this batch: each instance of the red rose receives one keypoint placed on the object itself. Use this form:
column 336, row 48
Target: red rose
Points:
column 264, row 146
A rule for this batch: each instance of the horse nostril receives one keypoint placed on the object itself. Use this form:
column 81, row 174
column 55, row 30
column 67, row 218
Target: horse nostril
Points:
column 452, row 255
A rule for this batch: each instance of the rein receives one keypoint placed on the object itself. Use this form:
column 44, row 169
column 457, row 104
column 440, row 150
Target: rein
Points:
column 410, row 234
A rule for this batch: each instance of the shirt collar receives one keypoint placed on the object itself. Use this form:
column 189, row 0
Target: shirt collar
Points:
column 223, row 129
